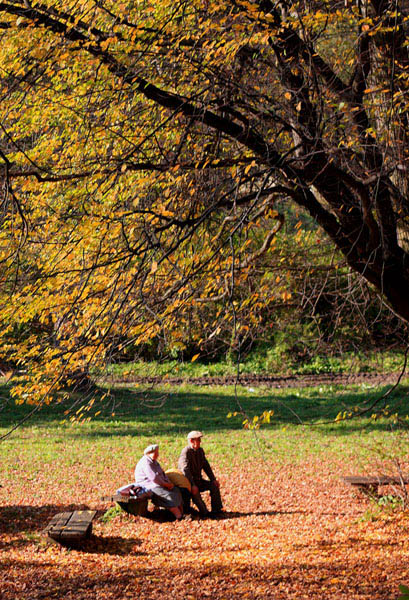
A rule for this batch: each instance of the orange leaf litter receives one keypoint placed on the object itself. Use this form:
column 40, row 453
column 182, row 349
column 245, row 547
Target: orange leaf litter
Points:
column 297, row 535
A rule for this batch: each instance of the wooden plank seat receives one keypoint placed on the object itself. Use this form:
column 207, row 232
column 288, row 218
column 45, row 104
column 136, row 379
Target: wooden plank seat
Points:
column 69, row 528
column 133, row 498
column 371, row 485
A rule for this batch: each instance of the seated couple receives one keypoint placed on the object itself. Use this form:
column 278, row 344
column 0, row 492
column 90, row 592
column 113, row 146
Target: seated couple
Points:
column 192, row 461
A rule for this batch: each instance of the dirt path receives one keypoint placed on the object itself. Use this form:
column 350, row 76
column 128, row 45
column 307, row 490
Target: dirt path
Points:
column 271, row 381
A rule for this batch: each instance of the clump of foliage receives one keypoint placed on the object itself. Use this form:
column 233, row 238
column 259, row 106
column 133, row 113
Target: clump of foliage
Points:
column 111, row 513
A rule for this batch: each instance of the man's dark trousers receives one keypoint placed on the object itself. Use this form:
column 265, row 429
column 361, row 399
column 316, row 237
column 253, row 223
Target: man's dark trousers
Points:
column 205, row 485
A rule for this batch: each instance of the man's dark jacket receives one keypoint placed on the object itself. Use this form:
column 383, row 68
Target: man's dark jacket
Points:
column 192, row 462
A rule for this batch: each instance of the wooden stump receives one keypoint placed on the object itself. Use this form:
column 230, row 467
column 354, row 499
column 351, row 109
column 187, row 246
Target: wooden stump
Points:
column 137, row 506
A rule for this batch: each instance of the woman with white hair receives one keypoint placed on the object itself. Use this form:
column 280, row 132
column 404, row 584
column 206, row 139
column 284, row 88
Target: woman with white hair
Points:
column 150, row 475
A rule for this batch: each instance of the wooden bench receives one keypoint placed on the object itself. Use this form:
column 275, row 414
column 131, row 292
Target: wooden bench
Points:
column 70, row 528
column 130, row 504
column 370, row 485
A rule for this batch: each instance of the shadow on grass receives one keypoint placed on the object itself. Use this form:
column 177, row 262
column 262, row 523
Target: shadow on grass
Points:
column 24, row 526
column 164, row 516
column 128, row 412
column 29, row 522
column 113, row 545
column 16, row 518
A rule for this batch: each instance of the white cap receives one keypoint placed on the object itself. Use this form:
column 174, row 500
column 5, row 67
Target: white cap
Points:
column 194, row 434
column 151, row 448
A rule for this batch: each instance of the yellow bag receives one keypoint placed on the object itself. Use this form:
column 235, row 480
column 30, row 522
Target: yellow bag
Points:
column 177, row 478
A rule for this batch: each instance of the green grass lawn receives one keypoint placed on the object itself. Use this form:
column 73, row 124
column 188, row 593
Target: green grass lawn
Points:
column 129, row 418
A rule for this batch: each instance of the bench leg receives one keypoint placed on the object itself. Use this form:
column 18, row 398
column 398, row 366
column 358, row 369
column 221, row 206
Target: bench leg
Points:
column 138, row 509
column 369, row 490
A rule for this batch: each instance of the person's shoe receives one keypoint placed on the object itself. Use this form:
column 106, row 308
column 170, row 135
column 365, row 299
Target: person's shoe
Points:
column 217, row 514
column 185, row 518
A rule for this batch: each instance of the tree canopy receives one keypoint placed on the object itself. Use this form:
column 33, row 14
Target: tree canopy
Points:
column 148, row 149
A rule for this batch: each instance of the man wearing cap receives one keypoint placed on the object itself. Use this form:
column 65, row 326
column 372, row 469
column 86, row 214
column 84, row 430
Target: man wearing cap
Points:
column 150, row 475
column 192, row 462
